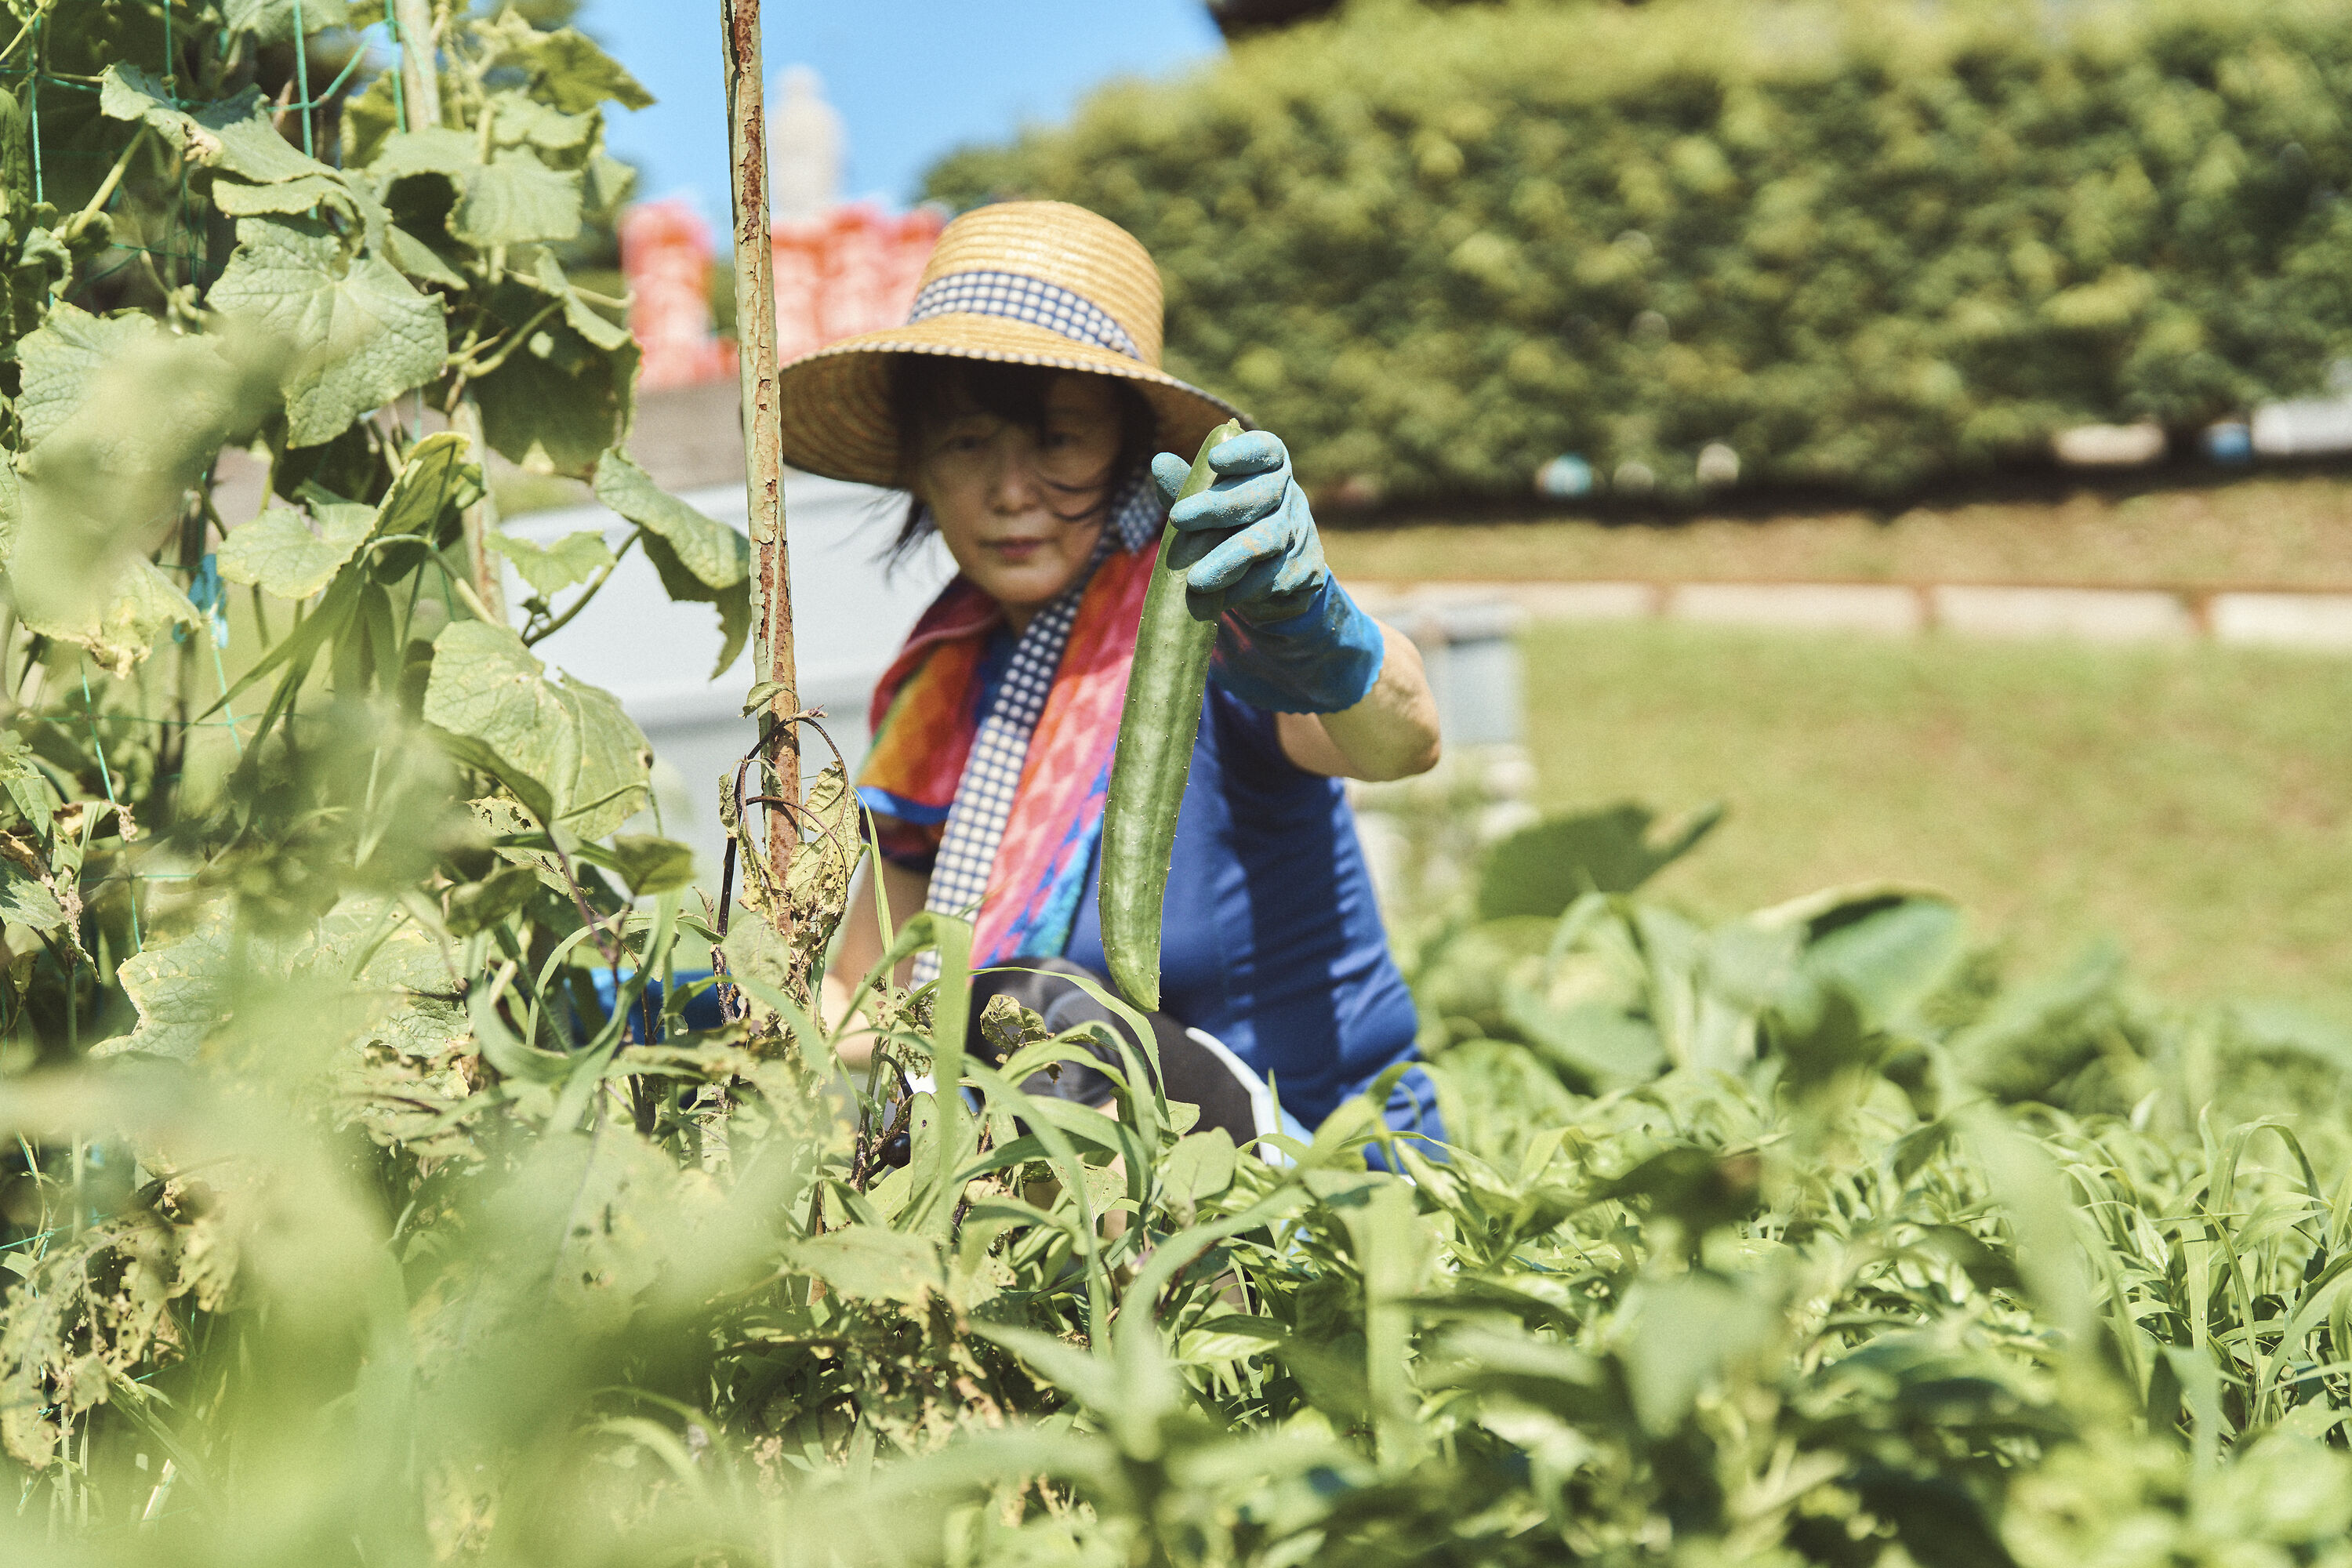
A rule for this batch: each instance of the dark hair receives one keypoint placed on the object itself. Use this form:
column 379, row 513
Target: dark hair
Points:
column 928, row 388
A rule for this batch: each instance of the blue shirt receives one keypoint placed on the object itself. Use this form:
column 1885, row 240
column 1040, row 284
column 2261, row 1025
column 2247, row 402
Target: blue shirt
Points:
column 1271, row 937
column 1271, row 940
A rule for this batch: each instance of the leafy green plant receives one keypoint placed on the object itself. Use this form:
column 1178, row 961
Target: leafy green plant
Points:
column 357, row 808
column 330, row 311
column 1806, row 1293
column 1862, row 244
column 366, row 1201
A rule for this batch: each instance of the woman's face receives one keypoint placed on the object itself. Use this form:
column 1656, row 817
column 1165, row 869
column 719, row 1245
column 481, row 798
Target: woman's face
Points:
column 995, row 490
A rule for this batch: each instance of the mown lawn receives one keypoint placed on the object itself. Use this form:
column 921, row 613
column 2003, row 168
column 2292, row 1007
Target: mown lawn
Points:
column 2289, row 529
column 2195, row 804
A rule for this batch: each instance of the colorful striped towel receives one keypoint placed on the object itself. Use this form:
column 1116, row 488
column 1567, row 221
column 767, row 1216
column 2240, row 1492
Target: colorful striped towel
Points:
column 925, row 716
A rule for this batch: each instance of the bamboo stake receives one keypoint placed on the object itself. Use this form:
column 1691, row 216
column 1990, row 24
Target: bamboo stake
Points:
column 481, row 518
column 420, row 83
column 755, row 332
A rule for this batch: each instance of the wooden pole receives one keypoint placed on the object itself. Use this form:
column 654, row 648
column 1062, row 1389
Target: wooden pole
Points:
column 764, row 461
column 420, row 81
column 481, row 518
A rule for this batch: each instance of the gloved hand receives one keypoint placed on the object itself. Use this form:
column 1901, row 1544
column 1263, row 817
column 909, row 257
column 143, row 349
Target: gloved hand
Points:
column 1288, row 638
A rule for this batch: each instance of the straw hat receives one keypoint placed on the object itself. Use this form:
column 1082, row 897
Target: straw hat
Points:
column 1041, row 283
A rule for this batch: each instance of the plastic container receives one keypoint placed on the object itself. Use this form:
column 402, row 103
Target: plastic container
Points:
column 2305, row 427
column 1565, row 478
column 2228, row 441
column 1470, row 651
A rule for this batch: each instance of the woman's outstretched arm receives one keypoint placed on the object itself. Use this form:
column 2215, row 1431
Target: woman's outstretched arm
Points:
column 1349, row 694
column 862, row 947
column 1390, row 734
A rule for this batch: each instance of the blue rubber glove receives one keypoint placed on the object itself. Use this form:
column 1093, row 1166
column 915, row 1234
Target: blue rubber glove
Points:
column 1288, row 638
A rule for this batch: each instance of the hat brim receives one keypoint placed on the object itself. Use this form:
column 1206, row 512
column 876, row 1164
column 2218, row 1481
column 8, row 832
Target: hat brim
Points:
column 836, row 403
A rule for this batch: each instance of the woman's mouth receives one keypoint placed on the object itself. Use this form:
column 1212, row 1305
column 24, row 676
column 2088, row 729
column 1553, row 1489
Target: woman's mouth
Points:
column 1015, row 551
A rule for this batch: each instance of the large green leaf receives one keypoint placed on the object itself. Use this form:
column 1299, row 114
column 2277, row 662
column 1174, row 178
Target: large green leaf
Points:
column 186, row 990
column 716, row 555
column 91, row 407
column 518, row 119
column 559, row 401
column 610, row 181
column 26, row 896
column 582, row 317
column 364, row 334
column 180, row 993
column 568, row 752
column 24, row 782
column 475, row 906
column 871, row 1262
column 61, row 359
column 577, row 76
column 1887, row 948
column 1690, row 1330
column 279, row 553
column 701, row 560
column 418, row 259
column 408, row 960
column 648, row 865
column 116, row 622
column 442, row 477
column 433, row 150
column 273, row 21
column 110, row 474
column 575, row 558
column 1199, row 1167
column 297, row 197
column 2036, row 1036
column 516, row 200
column 1541, row 869
column 235, row 134
column 120, row 629
column 1593, row 1043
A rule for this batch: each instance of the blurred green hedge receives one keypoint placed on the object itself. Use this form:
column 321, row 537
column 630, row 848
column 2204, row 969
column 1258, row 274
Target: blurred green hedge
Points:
column 1864, row 244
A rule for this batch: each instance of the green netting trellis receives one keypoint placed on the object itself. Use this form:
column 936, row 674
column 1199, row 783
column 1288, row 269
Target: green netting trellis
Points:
column 184, row 259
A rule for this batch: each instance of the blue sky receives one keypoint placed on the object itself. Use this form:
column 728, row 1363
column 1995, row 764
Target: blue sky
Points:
column 912, row 79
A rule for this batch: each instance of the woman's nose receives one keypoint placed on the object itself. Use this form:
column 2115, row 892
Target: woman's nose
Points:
column 1013, row 485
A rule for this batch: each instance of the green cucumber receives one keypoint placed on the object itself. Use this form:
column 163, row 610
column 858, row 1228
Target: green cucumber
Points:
column 1154, row 756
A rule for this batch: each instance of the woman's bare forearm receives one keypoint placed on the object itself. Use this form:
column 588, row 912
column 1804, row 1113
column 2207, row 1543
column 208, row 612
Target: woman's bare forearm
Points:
column 1390, row 734
column 862, row 947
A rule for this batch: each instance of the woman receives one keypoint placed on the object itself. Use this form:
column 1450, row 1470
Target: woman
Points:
column 1024, row 410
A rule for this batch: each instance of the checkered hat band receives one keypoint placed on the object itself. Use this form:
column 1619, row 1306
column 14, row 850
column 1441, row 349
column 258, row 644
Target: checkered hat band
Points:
column 991, row 772
column 1018, row 298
